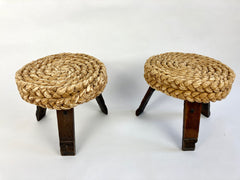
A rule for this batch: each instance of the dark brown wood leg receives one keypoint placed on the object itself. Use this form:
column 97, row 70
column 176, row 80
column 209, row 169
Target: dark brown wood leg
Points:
column 66, row 131
column 191, row 121
column 145, row 101
column 206, row 109
column 102, row 104
column 40, row 113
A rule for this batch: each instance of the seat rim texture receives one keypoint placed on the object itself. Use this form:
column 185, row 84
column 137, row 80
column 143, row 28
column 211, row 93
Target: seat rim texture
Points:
column 61, row 81
column 189, row 76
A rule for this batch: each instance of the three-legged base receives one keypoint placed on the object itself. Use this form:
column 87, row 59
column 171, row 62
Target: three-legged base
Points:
column 66, row 130
column 191, row 119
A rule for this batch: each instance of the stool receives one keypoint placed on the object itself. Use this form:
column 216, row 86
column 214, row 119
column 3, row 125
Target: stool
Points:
column 196, row 79
column 61, row 82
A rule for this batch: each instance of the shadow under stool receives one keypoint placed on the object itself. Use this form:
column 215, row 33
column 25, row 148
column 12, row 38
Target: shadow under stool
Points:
column 196, row 79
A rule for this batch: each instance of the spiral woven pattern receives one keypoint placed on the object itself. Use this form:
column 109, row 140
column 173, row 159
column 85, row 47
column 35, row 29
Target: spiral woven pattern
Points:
column 190, row 77
column 61, row 81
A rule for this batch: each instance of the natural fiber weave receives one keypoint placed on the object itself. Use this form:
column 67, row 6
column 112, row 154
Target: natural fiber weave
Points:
column 61, row 81
column 190, row 77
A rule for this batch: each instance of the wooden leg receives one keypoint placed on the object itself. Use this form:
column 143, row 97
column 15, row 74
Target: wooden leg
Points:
column 191, row 120
column 145, row 101
column 40, row 113
column 66, row 131
column 102, row 104
column 206, row 109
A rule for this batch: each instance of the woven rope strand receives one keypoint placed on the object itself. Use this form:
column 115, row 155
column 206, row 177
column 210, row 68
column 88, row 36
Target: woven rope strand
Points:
column 61, row 81
column 190, row 77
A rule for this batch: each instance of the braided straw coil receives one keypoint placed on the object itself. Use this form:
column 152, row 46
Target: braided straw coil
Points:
column 61, row 81
column 190, row 77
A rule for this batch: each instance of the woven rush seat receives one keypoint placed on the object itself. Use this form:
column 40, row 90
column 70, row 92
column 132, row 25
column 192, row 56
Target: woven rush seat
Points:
column 61, row 81
column 190, row 77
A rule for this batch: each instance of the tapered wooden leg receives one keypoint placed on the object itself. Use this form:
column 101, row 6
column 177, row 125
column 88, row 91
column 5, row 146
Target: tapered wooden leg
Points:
column 206, row 109
column 102, row 104
column 145, row 101
column 40, row 112
column 66, row 131
column 191, row 121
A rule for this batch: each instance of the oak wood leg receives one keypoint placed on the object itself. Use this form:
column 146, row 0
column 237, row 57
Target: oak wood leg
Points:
column 40, row 112
column 102, row 104
column 206, row 109
column 145, row 101
column 191, row 121
column 66, row 131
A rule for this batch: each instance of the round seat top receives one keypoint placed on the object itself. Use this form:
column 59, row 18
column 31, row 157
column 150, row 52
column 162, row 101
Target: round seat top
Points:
column 61, row 81
column 190, row 77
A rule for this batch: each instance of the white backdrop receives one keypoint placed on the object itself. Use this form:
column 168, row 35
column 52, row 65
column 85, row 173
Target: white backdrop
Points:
column 122, row 34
